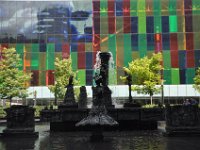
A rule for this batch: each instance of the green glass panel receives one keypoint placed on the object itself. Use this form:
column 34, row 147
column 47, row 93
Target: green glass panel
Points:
column 120, row 50
column 74, row 60
column 173, row 23
column 112, row 76
column 167, row 76
column 196, row 41
column 81, row 76
column 35, row 57
column 135, row 55
column 103, row 8
column 164, row 7
column 20, row 51
column 157, row 24
column 42, row 61
column 35, row 48
column 50, row 61
column 195, row 23
column 119, row 25
column 172, row 7
column 42, row 78
column 21, row 61
column 120, row 72
column 181, row 41
column 20, row 48
column 166, row 59
column 104, row 25
column 112, row 45
column 27, row 57
column 133, row 7
column 28, row 48
column 127, row 49
column 142, row 24
column 196, row 7
column 50, row 56
column 175, row 76
column 181, row 23
column 142, row 45
column 50, row 47
column 157, row 7
column 141, row 8
column 190, row 74
column 104, row 42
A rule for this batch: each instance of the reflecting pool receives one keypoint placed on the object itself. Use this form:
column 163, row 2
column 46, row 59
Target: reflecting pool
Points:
column 134, row 140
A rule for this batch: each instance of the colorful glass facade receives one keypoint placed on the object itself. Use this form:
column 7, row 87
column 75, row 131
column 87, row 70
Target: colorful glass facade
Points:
column 43, row 30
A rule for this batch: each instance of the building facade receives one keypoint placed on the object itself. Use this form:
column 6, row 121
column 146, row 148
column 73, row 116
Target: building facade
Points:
column 129, row 29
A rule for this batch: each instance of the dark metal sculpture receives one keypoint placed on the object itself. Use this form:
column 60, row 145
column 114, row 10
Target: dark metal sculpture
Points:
column 98, row 116
column 131, row 102
column 69, row 99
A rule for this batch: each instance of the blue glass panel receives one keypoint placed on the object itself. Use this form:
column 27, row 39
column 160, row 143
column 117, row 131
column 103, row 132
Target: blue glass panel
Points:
column 150, row 42
column 181, row 58
column 74, row 47
column 43, row 47
column 197, row 58
column 150, row 24
column 134, row 24
column 119, row 8
column 165, row 24
column 58, row 47
column 89, row 58
column 89, row 77
column 182, row 76
column 165, row 42
column 134, row 42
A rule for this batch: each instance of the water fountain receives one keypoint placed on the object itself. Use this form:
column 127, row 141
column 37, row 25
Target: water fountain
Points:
column 98, row 117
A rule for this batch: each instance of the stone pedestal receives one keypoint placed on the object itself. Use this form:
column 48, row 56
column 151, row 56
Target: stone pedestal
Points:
column 20, row 122
column 82, row 103
column 182, row 120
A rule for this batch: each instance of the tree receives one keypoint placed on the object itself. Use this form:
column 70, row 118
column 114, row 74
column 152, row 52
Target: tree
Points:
column 63, row 70
column 13, row 81
column 146, row 74
column 197, row 80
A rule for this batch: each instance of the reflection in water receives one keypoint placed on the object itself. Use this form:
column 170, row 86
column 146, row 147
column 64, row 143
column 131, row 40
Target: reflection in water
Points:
column 135, row 140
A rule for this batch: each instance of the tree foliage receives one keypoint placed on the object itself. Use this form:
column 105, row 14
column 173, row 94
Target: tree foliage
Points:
column 63, row 70
column 146, row 74
column 13, row 82
column 197, row 80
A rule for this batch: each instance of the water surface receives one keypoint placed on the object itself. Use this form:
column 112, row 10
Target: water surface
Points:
column 134, row 140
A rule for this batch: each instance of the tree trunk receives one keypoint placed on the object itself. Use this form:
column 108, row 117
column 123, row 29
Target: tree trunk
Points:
column 151, row 96
column 55, row 101
column 10, row 101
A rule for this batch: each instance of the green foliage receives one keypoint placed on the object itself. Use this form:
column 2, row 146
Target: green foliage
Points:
column 150, row 106
column 146, row 74
column 2, row 112
column 37, row 110
column 63, row 70
column 13, row 82
column 197, row 80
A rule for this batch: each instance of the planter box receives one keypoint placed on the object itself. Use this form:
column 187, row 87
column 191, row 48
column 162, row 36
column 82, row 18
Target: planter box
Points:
column 182, row 120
